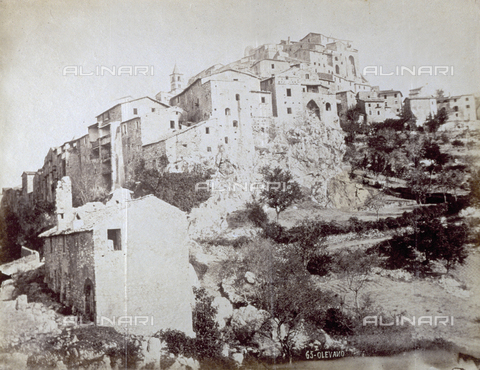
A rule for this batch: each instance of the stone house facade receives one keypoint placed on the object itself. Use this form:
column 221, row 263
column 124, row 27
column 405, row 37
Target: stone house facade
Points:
column 300, row 88
column 106, row 263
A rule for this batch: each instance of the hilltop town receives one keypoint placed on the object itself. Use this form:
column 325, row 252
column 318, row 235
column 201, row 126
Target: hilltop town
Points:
column 224, row 114
column 370, row 167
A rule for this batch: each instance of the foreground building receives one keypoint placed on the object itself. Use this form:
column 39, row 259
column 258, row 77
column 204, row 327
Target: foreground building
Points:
column 114, row 268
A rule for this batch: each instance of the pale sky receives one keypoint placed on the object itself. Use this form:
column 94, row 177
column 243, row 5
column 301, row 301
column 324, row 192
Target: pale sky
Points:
column 42, row 108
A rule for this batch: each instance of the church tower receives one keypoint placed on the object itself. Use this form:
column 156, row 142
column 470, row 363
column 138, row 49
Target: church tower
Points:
column 176, row 81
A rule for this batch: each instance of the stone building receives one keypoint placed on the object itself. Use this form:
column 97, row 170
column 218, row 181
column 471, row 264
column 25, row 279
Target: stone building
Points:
column 393, row 99
column 458, row 107
column 234, row 106
column 345, row 101
column 300, row 88
column 421, row 104
column 114, row 268
column 373, row 107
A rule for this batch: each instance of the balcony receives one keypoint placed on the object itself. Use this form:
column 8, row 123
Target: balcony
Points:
column 106, row 155
column 105, row 140
column 95, row 144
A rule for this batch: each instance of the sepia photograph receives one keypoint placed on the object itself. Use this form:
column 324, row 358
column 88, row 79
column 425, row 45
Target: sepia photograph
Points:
column 251, row 185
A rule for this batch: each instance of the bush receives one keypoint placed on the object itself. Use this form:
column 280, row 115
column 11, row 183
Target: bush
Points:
column 320, row 264
column 256, row 214
column 457, row 142
column 337, row 323
column 207, row 345
column 178, row 343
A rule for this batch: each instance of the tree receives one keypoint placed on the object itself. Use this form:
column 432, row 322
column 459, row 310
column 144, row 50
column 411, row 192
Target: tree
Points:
column 431, row 241
column 450, row 180
column 280, row 191
column 355, row 266
column 283, row 289
column 375, row 201
column 433, row 123
column 419, row 183
column 10, row 230
column 350, row 123
column 207, row 343
column 474, row 182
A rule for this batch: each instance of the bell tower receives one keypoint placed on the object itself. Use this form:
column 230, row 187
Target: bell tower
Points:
column 176, row 81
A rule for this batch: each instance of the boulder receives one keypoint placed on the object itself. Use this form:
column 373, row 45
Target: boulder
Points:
column 248, row 320
column 238, row 358
column 250, row 277
column 7, row 293
column 229, row 291
column 21, row 303
column 224, row 310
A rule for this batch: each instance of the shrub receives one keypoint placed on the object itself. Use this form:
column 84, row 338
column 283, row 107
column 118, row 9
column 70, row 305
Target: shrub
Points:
column 457, row 142
column 337, row 323
column 320, row 264
column 177, row 342
column 256, row 214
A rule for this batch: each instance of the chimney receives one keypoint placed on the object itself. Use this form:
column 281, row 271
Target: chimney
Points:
column 63, row 203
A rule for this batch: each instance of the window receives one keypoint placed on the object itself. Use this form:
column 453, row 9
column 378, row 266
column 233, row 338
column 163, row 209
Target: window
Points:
column 227, row 111
column 207, row 130
column 396, row 101
column 337, row 70
column 115, row 236
column 289, row 110
column 263, row 99
column 226, row 140
column 178, row 78
column 172, row 124
column 370, row 112
column 209, row 149
column 455, row 100
column 237, row 97
column 398, row 110
column 153, row 110
column 466, row 99
column 378, row 113
column 468, row 106
column 395, row 95
column 307, row 76
column 384, row 96
column 135, row 111
column 235, row 123
column 369, row 104
column 273, row 66
column 328, row 107
column 154, row 163
column 289, row 92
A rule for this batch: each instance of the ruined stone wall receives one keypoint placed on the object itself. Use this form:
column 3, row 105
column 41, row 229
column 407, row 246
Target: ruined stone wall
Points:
column 68, row 264
column 153, row 153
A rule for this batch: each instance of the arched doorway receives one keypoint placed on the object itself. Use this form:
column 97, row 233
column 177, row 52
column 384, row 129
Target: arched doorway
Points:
column 351, row 61
column 89, row 300
column 312, row 106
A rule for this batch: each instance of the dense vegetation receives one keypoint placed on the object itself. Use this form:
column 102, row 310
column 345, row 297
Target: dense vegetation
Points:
column 181, row 190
